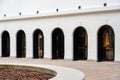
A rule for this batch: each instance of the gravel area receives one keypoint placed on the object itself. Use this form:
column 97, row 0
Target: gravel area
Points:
column 22, row 74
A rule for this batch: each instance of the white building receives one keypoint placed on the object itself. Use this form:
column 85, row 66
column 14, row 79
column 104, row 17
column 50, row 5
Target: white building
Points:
column 69, row 29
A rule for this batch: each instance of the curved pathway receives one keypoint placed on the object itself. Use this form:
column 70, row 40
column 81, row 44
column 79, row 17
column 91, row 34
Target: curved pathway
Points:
column 93, row 70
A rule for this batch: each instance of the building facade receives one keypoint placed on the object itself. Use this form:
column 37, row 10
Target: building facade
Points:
column 75, row 30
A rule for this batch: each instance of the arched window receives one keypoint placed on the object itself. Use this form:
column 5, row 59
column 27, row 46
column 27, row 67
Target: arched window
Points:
column 38, row 44
column 106, row 43
column 80, row 42
column 5, row 44
column 21, row 44
column 57, row 44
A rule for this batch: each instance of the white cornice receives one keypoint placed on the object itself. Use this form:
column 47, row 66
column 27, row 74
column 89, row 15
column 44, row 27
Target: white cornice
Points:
column 62, row 13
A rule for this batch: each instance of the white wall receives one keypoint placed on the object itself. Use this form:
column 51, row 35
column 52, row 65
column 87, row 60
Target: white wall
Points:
column 13, row 7
column 90, row 21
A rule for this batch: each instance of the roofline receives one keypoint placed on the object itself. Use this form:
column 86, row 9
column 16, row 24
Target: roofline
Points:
column 63, row 13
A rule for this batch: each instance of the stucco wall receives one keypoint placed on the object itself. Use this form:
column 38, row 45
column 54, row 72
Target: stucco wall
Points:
column 91, row 22
column 13, row 7
column 68, row 22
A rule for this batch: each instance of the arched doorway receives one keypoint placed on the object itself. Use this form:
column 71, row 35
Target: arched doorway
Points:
column 80, row 40
column 106, row 43
column 38, row 44
column 57, row 44
column 21, row 44
column 5, row 44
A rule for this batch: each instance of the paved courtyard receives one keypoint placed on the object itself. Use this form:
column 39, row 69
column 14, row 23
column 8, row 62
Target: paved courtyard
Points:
column 93, row 70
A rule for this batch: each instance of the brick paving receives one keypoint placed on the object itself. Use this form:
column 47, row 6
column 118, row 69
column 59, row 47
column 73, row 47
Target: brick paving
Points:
column 93, row 70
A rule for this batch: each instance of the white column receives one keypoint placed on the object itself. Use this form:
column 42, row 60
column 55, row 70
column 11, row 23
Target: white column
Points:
column 47, row 43
column 68, row 44
column 117, row 44
column 0, row 45
column 29, row 44
column 92, row 45
column 13, row 47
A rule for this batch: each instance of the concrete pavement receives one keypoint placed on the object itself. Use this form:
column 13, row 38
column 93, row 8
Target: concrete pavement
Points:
column 93, row 70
